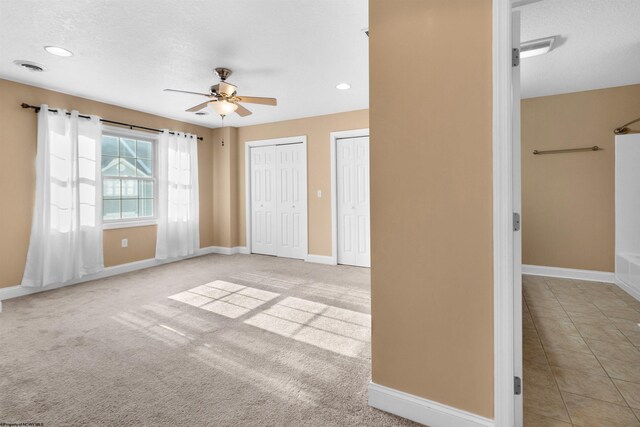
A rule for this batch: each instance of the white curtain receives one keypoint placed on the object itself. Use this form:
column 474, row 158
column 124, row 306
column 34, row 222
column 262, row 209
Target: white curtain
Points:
column 178, row 198
column 66, row 232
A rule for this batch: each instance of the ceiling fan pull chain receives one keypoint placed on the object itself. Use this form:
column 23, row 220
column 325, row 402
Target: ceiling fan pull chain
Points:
column 222, row 115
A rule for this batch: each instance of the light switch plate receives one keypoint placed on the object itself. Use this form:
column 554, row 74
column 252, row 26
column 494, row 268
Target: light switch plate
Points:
column 319, row 193
column 125, row 243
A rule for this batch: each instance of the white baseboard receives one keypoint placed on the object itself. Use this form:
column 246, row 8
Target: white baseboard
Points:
column 243, row 250
column 229, row 251
column 631, row 290
column 569, row 273
column 321, row 259
column 18, row 291
column 421, row 410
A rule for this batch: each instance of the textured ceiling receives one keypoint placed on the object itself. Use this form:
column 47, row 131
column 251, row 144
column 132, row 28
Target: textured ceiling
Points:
column 127, row 51
column 599, row 45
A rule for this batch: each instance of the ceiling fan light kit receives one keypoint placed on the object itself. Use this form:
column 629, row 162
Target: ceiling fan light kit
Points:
column 223, row 107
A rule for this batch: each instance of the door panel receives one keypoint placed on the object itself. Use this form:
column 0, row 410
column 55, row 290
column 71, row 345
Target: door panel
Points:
column 263, row 203
column 291, row 201
column 361, row 161
column 352, row 182
column 344, row 181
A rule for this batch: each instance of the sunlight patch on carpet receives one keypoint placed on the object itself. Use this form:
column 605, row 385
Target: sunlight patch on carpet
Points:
column 331, row 328
column 225, row 298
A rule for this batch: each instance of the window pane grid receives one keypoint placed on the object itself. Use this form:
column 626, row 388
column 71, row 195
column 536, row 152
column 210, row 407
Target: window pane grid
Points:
column 128, row 180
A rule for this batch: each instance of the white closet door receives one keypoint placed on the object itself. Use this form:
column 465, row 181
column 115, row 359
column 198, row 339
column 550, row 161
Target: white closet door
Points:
column 291, row 201
column 352, row 167
column 263, row 200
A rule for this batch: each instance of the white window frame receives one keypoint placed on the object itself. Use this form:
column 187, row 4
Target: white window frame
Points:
column 143, row 136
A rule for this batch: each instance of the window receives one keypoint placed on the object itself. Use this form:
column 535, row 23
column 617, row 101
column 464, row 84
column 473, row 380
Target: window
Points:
column 128, row 180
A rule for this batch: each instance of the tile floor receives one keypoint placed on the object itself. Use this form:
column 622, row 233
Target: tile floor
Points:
column 581, row 354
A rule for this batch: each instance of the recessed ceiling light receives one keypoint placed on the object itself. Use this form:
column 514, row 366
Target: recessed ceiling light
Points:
column 536, row 47
column 58, row 51
column 31, row 66
column 343, row 86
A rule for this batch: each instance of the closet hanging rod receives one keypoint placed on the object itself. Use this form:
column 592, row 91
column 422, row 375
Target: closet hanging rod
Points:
column 111, row 122
column 623, row 130
column 567, row 150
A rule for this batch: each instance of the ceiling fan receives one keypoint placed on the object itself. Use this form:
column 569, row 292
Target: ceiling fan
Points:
column 224, row 98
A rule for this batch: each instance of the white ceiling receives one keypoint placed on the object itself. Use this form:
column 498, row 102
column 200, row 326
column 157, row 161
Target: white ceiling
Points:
column 126, row 52
column 599, row 45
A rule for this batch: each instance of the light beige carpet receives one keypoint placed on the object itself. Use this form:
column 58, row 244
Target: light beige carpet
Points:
column 211, row 341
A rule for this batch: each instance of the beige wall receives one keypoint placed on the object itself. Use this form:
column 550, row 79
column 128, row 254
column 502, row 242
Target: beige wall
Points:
column 568, row 199
column 221, row 191
column 17, row 176
column 225, row 191
column 221, row 169
column 431, row 200
column 317, row 129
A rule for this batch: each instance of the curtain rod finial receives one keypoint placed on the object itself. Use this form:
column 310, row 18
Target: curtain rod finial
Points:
column 25, row 105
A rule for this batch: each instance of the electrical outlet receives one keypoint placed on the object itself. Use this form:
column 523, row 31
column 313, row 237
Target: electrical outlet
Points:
column 125, row 243
column 319, row 192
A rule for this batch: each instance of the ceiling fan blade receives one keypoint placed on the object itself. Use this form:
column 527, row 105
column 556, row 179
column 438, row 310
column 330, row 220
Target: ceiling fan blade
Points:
column 227, row 89
column 242, row 112
column 257, row 100
column 198, row 107
column 186, row 91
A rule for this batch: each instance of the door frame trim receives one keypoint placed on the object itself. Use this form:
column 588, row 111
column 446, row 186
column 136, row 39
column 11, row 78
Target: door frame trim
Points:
column 503, row 243
column 333, row 141
column 516, row 147
column 247, row 184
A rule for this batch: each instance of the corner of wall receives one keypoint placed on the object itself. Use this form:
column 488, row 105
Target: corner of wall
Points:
column 225, row 189
column 431, row 202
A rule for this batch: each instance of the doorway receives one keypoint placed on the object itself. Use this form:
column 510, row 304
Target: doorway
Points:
column 571, row 332
column 276, row 184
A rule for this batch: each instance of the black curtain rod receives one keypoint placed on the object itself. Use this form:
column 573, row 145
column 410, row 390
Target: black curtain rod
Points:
column 111, row 122
column 623, row 130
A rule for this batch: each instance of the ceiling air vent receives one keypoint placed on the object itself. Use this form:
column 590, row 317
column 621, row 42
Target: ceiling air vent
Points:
column 31, row 66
